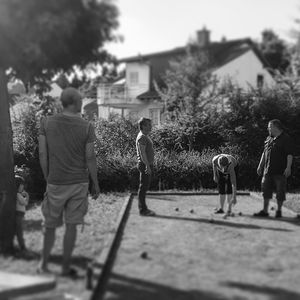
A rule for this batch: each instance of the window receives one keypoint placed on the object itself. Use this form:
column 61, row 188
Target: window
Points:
column 133, row 78
column 259, row 81
column 154, row 114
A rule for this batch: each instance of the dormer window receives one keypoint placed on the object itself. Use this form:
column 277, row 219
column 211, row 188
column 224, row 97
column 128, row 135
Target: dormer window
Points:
column 134, row 78
column 260, row 81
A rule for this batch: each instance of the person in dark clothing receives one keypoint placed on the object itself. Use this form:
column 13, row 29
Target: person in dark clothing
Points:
column 275, row 166
column 145, row 155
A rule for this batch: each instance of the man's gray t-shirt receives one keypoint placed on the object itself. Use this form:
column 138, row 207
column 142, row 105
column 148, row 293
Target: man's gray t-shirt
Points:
column 146, row 141
column 67, row 137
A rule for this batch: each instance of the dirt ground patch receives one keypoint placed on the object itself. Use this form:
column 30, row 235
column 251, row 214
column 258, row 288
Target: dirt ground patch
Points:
column 100, row 220
column 193, row 254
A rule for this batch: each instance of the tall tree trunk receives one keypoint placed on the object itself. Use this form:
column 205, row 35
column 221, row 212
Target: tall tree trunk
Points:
column 7, row 179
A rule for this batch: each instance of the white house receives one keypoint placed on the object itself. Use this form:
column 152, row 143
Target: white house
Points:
column 134, row 95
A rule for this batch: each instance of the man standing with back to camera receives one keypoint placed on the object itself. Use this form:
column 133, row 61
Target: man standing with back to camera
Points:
column 67, row 158
column 275, row 166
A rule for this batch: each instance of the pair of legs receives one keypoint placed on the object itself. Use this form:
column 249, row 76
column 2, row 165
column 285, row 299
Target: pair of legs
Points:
column 68, row 247
column 225, row 189
column 268, row 184
column 70, row 202
column 145, row 180
column 19, row 230
column 222, row 203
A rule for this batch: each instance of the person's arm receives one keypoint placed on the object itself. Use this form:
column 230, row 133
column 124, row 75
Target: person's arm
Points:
column 142, row 149
column 261, row 164
column 215, row 171
column 92, row 167
column 22, row 199
column 26, row 195
column 43, row 155
column 288, row 170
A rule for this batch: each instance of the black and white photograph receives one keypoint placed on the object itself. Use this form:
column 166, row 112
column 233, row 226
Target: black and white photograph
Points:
column 149, row 150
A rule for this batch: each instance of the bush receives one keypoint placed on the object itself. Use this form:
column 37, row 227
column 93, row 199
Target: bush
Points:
column 26, row 116
column 172, row 170
column 115, row 135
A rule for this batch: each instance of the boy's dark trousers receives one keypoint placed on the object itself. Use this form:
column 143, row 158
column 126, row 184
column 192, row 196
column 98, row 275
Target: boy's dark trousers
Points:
column 19, row 229
column 145, row 181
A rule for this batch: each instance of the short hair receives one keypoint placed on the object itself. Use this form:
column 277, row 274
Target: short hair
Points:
column 277, row 123
column 223, row 161
column 19, row 180
column 142, row 122
column 69, row 96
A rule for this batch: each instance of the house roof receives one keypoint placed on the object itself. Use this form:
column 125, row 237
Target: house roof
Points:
column 220, row 52
column 151, row 94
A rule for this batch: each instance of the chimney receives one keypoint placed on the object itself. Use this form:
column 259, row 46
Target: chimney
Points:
column 203, row 37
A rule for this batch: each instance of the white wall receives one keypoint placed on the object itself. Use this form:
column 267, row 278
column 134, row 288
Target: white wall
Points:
column 143, row 83
column 244, row 70
column 55, row 90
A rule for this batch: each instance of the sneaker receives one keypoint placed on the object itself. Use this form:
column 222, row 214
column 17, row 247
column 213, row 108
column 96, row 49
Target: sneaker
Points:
column 261, row 213
column 147, row 212
column 278, row 214
column 219, row 211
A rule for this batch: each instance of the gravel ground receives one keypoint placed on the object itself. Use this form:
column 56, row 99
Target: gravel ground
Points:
column 100, row 220
column 187, row 252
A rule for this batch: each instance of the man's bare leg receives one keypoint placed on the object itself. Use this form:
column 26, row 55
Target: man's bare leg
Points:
column 48, row 243
column 68, row 244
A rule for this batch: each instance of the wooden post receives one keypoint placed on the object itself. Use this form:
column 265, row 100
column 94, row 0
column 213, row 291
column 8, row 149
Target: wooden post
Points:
column 7, row 178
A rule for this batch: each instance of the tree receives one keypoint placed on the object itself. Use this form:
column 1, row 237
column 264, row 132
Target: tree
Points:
column 37, row 40
column 54, row 36
column 189, row 88
column 274, row 50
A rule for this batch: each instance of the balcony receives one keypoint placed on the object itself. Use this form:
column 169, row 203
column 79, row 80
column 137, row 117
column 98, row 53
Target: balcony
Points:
column 120, row 95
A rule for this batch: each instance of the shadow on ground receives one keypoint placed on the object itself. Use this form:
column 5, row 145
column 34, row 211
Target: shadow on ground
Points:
column 79, row 261
column 222, row 223
column 123, row 288
column 273, row 293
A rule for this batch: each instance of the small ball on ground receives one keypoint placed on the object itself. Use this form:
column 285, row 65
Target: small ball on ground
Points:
column 176, row 209
column 240, row 213
column 272, row 208
column 191, row 211
column 144, row 255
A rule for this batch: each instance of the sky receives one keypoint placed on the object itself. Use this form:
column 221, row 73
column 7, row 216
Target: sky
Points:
column 150, row 26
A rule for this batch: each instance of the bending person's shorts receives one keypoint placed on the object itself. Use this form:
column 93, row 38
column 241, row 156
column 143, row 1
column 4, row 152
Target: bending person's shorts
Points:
column 68, row 203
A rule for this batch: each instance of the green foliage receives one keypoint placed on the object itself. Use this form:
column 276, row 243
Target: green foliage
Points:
column 179, row 135
column 275, row 50
column 186, row 84
column 25, row 124
column 54, row 36
column 240, row 131
column 115, row 135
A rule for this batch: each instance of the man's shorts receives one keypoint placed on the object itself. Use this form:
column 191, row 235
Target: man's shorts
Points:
column 224, row 184
column 68, row 201
column 274, row 182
